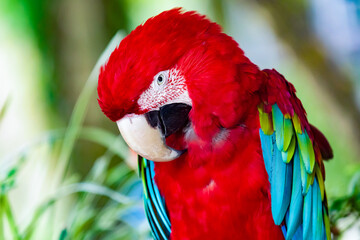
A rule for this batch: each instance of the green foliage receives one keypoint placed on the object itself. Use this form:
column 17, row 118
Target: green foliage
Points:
column 104, row 203
column 100, row 205
column 346, row 207
column 7, row 180
column 4, row 108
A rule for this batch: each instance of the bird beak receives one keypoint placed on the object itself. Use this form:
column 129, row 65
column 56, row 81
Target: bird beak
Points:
column 146, row 134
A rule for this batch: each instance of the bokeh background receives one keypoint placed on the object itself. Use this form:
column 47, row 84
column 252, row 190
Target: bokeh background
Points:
column 64, row 171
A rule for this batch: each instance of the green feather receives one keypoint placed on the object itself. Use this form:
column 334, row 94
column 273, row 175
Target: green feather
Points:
column 320, row 181
column 306, row 151
column 284, row 156
column 287, row 156
column 305, row 177
column 327, row 223
column 297, row 124
column 142, row 166
column 278, row 122
column 288, row 133
column 265, row 122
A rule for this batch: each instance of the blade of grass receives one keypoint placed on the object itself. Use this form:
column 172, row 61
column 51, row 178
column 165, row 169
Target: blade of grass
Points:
column 85, row 200
column 99, row 171
column 102, row 137
column 10, row 218
column 113, row 142
column 105, row 220
column 4, row 108
column 76, row 188
column 80, row 108
column 38, row 213
column 2, row 227
column 15, row 159
column 63, row 234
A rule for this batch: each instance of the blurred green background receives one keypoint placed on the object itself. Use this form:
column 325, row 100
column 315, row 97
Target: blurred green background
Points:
column 62, row 164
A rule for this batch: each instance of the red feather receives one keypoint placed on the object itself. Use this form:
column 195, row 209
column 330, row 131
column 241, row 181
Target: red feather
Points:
column 324, row 145
column 225, row 197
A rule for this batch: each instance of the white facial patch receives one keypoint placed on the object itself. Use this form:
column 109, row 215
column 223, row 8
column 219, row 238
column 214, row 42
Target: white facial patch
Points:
column 167, row 87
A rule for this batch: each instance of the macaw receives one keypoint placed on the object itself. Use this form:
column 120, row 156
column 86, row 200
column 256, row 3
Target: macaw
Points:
column 226, row 150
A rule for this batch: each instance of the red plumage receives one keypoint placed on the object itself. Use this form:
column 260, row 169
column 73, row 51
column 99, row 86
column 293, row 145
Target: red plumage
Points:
column 219, row 188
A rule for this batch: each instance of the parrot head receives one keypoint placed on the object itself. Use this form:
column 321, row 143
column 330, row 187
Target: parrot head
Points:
column 177, row 83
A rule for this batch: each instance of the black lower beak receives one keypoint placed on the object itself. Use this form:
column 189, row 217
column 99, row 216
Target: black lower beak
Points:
column 169, row 118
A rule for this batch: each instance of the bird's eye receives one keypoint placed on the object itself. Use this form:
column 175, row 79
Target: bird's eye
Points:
column 160, row 79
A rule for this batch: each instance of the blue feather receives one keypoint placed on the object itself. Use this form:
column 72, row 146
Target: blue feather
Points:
column 307, row 218
column 154, row 231
column 160, row 201
column 304, row 177
column 317, row 218
column 153, row 201
column 154, row 208
column 267, row 149
column 281, row 178
column 296, row 202
column 298, row 234
column 283, row 229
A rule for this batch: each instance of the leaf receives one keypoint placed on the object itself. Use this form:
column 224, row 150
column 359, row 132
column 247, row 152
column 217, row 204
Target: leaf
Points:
column 78, row 114
column 4, row 108
column 63, row 234
column 354, row 185
column 8, row 174
column 113, row 142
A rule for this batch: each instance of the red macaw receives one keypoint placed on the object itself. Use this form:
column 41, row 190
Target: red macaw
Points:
column 232, row 153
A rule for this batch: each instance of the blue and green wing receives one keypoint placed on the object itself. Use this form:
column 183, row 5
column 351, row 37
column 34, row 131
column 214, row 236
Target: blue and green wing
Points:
column 155, row 208
column 298, row 199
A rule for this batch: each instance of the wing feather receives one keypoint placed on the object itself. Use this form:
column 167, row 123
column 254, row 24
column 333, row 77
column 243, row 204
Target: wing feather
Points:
column 293, row 162
column 155, row 209
column 281, row 176
column 297, row 200
column 288, row 133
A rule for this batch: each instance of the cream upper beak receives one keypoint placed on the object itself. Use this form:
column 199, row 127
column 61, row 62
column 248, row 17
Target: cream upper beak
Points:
column 145, row 140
